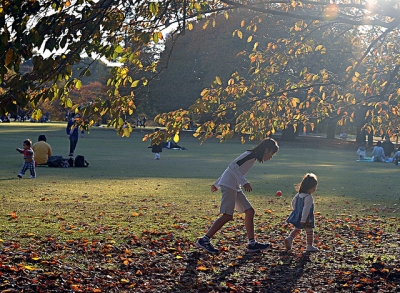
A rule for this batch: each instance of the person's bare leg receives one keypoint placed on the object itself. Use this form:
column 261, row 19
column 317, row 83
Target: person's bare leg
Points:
column 218, row 224
column 249, row 222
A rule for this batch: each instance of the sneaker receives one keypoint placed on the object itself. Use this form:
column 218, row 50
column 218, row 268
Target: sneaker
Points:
column 32, row 177
column 288, row 243
column 19, row 175
column 311, row 248
column 206, row 245
column 257, row 246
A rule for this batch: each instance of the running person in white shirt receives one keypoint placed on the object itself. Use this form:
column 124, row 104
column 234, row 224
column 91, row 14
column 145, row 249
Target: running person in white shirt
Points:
column 231, row 183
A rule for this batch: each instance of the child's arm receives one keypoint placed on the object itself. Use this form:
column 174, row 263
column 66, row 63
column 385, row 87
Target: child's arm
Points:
column 19, row 150
column 308, row 201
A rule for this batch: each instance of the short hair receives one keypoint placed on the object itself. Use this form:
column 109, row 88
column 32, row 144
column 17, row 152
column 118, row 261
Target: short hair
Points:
column 27, row 142
column 42, row 137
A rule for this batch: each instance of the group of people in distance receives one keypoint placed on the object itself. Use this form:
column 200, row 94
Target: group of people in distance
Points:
column 381, row 152
column 38, row 153
column 232, row 182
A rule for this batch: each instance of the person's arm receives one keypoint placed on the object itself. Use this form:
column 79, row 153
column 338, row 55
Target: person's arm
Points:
column 308, row 201
column 19, row 150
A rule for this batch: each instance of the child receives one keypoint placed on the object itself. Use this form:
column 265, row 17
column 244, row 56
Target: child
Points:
column 361, row 152
column 157, row 147
column 28, row 159
column 231, row 183
column 302, row 216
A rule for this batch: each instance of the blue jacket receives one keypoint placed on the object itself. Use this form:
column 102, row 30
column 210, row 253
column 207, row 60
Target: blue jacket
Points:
column 72, row 129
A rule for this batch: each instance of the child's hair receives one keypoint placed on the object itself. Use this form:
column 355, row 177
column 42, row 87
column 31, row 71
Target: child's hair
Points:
column 309, row 181
column 266, row 143
column 378, row 143
column 27, row 142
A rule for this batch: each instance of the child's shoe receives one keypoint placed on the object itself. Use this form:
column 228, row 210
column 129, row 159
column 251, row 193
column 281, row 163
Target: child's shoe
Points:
column 311, row 248
column 257, row 246
column 288, row 243
column 206, row 245
column 19, row 175
column 32, row 177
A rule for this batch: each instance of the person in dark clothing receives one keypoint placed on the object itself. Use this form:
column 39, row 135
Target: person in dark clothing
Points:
column 388, row 147
column 73, row 133
column 157, row 147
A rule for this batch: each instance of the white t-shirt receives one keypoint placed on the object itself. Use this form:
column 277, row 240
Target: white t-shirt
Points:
column 234, row 176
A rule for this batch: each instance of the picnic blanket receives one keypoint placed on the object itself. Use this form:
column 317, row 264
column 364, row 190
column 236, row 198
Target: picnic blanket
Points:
column 371, row 159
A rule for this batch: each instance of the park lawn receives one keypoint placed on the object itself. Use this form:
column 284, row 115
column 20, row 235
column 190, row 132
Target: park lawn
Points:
column 128, row 222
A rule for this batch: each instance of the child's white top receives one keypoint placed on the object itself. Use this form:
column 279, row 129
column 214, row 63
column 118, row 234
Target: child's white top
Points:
column 234, row 176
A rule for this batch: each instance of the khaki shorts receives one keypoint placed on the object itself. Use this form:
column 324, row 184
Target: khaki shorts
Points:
column 231, row 200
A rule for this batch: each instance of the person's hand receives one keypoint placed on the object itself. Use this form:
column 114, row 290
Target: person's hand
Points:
column 68, row 135
column 247, row 187
column 213, row 188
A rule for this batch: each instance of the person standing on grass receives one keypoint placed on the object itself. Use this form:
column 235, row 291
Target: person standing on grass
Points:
column 156, row 148
column 231, row 183
column 29, row 162
column 302, row 216
column 73, row 134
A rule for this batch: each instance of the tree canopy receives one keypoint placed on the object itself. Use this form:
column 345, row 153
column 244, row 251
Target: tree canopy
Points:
column 335, row 61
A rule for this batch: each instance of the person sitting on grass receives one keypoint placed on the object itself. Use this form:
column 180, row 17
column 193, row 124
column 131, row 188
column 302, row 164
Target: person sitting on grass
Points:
column 42, row 150
column 378, row 153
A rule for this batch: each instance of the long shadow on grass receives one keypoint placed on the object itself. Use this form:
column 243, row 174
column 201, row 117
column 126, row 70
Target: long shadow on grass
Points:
column 269, row 273
column 256, row 272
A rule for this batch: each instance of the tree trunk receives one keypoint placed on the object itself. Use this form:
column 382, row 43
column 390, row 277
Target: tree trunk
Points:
column 288, row 134
column 330, row 133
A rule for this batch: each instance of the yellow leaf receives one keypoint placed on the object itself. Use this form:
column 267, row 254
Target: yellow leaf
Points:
column 134, row 214
column 218, row 80
column 9, row 57
column 30, row 268
column 176, row 137
column 190, row 26
column 249, row 39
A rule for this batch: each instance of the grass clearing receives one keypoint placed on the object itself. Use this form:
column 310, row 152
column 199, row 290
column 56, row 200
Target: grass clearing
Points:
column 131, row 211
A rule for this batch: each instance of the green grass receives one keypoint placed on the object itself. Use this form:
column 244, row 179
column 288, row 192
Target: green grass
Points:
column 127, row 223
column 125, row 189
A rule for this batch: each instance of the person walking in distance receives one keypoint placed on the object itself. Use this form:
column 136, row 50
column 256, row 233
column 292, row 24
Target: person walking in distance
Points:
column 29, row 162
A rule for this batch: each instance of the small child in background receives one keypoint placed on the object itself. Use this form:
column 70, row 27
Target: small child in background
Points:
column 302, row 216
column 362, row 152
column 157, row 147
column 29, row 162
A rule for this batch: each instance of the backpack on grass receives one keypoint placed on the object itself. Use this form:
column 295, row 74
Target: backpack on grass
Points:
column 80, row 161
column 55, row 161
